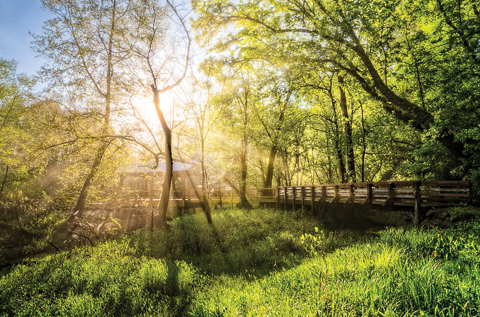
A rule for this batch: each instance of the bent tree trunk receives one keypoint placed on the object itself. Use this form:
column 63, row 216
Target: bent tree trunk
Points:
column 168, row 159
column 82, row 198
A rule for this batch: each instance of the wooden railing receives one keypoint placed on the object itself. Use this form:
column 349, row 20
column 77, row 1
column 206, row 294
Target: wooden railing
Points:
column 262, row 195
column 401, row 193
column 218, row 196
column 414, row 194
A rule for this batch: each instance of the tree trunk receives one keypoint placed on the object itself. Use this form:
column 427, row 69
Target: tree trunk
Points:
column 206, row 205
column 351, row 174
column 244, row 203
column 4, row 180
column 337, row 142
column 364, row 149
column 168, row 159
column 339, row 153
column 82, row 198
column 271, row 161
column 268, row 182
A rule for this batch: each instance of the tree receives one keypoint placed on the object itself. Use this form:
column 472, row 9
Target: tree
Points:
column 199, row 108
column 160, row 68
column 277, row 87
column 408, row 55
column 84, row 45
column 236, row 103
column 93, row 48
column 14, row 93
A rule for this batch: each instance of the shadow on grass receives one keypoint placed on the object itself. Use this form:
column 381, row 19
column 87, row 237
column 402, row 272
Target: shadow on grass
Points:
column 231, row 247
column 179, row 300
column 362, row 220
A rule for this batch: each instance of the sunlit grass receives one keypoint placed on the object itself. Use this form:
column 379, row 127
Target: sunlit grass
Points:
column 254, row 264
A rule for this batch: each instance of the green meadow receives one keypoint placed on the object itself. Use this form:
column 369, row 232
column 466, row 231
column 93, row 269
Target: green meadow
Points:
column 257, row 263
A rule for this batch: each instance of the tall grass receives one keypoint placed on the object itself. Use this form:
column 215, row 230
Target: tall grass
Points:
column 254, row 264
column 404, row 273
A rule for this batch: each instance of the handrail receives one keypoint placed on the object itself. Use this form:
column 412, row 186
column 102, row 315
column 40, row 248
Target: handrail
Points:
column 416, row 194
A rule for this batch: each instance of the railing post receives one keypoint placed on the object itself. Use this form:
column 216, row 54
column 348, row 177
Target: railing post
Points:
column 303, row 198
column 470, row 193
column 294, row 196
column 369, row 198
column 312, row 198
column 151, row 191
column 390, row 198
column 183, row 199
column 350, row 197
column 416, row 203
column 277, row 203
column 145, row 188
column 220, row 197
column 335, row 194
column 122, row 195
column 285, row 197
column 324, row 194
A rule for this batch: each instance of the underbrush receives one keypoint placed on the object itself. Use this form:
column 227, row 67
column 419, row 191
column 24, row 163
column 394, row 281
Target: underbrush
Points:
column 255, row 263
column 251, row 243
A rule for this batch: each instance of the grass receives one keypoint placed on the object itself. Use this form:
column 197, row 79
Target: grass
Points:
column 256, row 263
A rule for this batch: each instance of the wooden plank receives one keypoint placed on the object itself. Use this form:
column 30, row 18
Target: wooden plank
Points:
column 453, row 200
column 423, row 194
column 446, row 183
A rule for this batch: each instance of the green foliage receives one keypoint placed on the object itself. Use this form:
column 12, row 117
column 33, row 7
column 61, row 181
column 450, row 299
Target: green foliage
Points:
column 398, row 274
column 108, row 280
column 406, row 272
column 412, row 64
column 323, row 242
column 252, row 242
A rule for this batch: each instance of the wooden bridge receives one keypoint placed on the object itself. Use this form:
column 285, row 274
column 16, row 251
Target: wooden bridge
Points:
column 193, row 199
column 411, row 194
column 416, row 195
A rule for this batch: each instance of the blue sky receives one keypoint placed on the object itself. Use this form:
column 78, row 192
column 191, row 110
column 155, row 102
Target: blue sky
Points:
column 17, row 18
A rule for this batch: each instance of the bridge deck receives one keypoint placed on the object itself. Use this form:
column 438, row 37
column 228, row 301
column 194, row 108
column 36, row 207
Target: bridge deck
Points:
column 402, row 193
column 415, row 194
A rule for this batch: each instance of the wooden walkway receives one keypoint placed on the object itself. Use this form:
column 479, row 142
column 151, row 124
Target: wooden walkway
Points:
column 192, row 199
column 410, row 194
column 415, row 194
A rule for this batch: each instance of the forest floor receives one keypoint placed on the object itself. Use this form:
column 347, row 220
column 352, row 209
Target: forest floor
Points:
column 262, row 262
